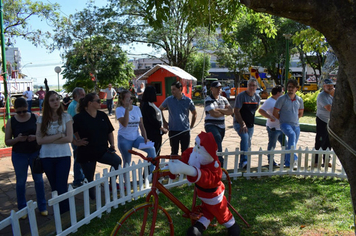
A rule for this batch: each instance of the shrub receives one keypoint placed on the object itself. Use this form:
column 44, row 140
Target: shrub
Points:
column 309, row 100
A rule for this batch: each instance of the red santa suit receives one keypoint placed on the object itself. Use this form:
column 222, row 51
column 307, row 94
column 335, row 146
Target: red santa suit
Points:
column 210, row 188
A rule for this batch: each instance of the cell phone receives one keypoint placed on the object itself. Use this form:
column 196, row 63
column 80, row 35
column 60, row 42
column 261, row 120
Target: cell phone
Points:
column 111, row 150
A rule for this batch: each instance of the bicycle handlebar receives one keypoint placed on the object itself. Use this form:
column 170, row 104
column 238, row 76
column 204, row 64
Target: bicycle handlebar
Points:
column 151, row 159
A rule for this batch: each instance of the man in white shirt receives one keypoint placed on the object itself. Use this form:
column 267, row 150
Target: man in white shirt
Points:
column 28, row 95
column 272, row 124
column 110, row 95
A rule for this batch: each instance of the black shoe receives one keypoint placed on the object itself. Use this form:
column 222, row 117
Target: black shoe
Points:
column 196, row 230
column 234, row 230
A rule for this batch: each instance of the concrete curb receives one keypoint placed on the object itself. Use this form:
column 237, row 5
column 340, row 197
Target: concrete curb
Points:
column 5, row 152
column 303, row 127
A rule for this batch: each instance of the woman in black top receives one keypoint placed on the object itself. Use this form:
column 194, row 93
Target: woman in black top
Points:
column 94, row 127
column 152, row 118
column 20, row 133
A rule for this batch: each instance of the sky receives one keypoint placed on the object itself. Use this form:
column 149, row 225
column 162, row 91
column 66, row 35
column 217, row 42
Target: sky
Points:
column 38, row 63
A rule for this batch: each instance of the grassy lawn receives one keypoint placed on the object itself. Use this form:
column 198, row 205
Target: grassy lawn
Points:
column 308, row 118
column 272, row 206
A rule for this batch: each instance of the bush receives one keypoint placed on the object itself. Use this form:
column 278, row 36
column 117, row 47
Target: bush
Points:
column 309, row 100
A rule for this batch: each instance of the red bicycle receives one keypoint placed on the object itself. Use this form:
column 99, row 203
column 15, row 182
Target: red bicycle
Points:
column 148, row 217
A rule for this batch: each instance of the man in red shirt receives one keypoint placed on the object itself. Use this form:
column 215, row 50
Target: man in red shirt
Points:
column 41, row 94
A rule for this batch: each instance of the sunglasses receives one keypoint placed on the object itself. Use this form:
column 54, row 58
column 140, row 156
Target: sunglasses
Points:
column 21, row 112
column 98, row 101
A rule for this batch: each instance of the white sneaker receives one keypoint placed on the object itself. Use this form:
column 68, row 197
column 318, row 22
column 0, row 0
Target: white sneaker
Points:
column 295, row 166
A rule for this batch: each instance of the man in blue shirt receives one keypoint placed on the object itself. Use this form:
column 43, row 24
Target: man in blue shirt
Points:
column 178, row 106
column 288, row 109
column 78, row 93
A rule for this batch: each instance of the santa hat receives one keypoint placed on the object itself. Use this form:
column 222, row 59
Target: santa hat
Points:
column 207, row 141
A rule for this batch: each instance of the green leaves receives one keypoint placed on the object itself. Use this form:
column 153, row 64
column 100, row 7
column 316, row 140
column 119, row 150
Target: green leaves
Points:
column 16, row 20
column 312, row 40
column 198, row 65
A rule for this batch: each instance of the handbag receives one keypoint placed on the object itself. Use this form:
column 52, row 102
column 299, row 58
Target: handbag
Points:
column 37, row 167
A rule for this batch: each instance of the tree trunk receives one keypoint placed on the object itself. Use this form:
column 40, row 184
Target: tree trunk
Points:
column 336, row 20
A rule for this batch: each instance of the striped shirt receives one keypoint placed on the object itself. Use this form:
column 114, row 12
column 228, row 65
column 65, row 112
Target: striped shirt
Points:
column 210, row 104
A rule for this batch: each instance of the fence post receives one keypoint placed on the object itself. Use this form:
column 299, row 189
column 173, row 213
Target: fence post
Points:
column 57, row 214
column 72, row 208
column 283, row 156
column 31, row 206
column 98, row 195
column 259, row 168
column 236, row 165
column 15, row 223
column 106, row 190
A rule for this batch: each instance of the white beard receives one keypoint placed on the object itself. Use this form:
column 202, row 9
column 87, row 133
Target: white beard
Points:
column 194, row 159
column 199, row 157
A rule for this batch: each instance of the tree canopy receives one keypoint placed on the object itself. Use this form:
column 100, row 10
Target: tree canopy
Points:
column 90, row 51
column 16, row 20
column 198, row 65
column 170, row 36
column 96, row 57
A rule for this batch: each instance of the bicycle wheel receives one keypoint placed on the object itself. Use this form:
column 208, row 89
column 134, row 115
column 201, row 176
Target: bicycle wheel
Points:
column 133, row 222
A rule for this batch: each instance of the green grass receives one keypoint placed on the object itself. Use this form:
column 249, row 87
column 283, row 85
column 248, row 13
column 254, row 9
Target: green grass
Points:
column 307, row 118
column 272, row 206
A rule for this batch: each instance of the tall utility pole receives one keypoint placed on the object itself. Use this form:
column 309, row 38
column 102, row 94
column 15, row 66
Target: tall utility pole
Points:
column 3, row 54
column 287, row 36
column 286, row 67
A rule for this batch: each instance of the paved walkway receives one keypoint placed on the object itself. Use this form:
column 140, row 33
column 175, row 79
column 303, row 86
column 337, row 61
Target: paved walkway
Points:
column 231, row 141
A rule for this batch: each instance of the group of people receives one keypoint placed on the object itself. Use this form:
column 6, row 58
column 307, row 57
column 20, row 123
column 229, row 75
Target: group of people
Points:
column 281, row 110
column 49, row 136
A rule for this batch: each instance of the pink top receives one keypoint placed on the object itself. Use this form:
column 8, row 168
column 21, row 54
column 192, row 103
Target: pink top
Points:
column 41, row 94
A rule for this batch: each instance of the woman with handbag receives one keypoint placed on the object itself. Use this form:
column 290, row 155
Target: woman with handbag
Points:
column 55, row 133
column 20, row 133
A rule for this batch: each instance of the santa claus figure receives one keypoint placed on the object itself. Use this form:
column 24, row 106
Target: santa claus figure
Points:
column 202, row 167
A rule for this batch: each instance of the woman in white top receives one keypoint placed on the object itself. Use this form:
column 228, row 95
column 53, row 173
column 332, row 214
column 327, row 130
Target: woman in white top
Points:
column 130, row 119
column 54, row 133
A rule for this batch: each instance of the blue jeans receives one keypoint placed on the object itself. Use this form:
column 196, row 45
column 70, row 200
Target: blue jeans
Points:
column 218, row 134
column 273, row 136
column 21, row 161
column 57, row 171
column 125, row 145
column 109, row 103
column 245, row 143
column 29, row 105
column 292, row 132
column 40, row 102
column 77, row 169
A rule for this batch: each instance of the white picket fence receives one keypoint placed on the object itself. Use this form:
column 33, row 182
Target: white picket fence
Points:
column 139, row 186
